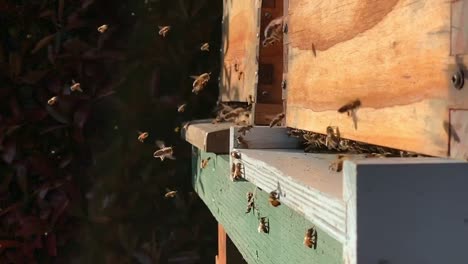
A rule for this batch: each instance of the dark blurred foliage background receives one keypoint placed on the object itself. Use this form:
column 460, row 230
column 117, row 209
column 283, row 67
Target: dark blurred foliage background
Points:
column 76, row 186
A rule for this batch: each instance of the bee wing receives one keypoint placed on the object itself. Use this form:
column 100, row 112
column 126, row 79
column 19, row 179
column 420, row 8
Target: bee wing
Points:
column 171, row 157
column 160, row 27
column 160, row 144
column 194, row 77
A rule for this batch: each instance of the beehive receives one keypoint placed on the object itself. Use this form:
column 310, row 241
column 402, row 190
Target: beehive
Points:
column 403, row 59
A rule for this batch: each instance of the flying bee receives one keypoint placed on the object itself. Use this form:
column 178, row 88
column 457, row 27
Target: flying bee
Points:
column 176, row 129
column 244, row 129
column 76, row 87
column 142, row 136
column 278, row 118
column 263, row 225
column 337, row 165
column 181, row 108
column 204, row 162
column 242, row 142
column 273, row 199
column 200, row 82
column 332, row 140
column 250, row 202
column 103, row 28
column 349, row 107
column 273, row 32
column 52, row 101
column 205, row 47
column 170, row 194
column 235, row 154
column 163, row 152
column 236, row 171
column 310, row 239
column 163, row 30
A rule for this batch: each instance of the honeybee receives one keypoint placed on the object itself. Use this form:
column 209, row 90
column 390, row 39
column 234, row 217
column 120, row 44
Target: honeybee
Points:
column 332, row 140
column 181, row 108
column 204, row 162
column 310, row 239
column 278, row 118
column 263, row 225
column 244, row 129
column 142, row 136
column 170, row 194
column 76, row 87
column 176, row 129
column 273, row 32
column 52, row 101
column 163, row 30
column 337, row 165
column 251, row 100
column 250, row 202
column 236, row 171
column 205, row 47
column 273, row 199
column 235, row 154
column 242, row 142
column 103, row 28
column 200, row 82
column 350, row 109
column 163, row 152
column 233, row 113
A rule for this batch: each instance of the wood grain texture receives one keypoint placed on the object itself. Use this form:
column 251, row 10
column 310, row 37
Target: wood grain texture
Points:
column 284, row 244
column 393, row 55
column 264, row 113
column 459, row 134
column 395, row 206
column 239, row 50
column 207, row 136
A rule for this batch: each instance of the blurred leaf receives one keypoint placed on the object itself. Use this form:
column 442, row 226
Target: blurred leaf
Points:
column 9, row 151
column 43, row 42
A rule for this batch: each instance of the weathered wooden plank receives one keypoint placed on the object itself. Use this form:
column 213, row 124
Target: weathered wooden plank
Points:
column 207, row 136
column 262, row 137
column 239, row 51
column 398, row 210
column 392, row 55
column 227, row 251
column 458, row 131
column 283, row 244
column 303, row 182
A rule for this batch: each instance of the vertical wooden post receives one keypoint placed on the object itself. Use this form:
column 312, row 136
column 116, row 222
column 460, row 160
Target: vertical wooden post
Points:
column 227, row 251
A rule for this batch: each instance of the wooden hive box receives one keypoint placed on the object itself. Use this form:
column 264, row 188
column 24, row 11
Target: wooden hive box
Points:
column 251, row 72
column 403, row 59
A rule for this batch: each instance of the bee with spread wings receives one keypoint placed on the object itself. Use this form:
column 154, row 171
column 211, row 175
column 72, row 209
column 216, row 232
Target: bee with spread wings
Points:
column 163, row 152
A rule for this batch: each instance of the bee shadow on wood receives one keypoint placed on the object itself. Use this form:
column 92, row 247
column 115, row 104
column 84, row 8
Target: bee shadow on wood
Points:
column 449, row 129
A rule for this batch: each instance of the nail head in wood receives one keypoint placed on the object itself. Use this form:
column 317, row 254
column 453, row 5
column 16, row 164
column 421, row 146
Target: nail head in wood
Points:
column 458, row 79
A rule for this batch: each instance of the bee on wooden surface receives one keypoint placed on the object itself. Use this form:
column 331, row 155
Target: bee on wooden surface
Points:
column 332, row 140
column 273, row 32
column 163, row 152
column 294, row 133
column 250, row 202
column 163, row 30
column 217, row 120
column 204, row 162
column 337, row 165
column 277, row 119
column 310, row 239
column 251, row 100
column 170, row 194
column 242, row 142
column 200, row 82
column 244, row 129
column 52, row 101
column 236, row 171
column 234, row 113
column 273, row 199
column 181, row 108
column 75, row 87
column 142, row 136
column 103, row 28
column 205, row 47
column 235, row 154
column 263, row 225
